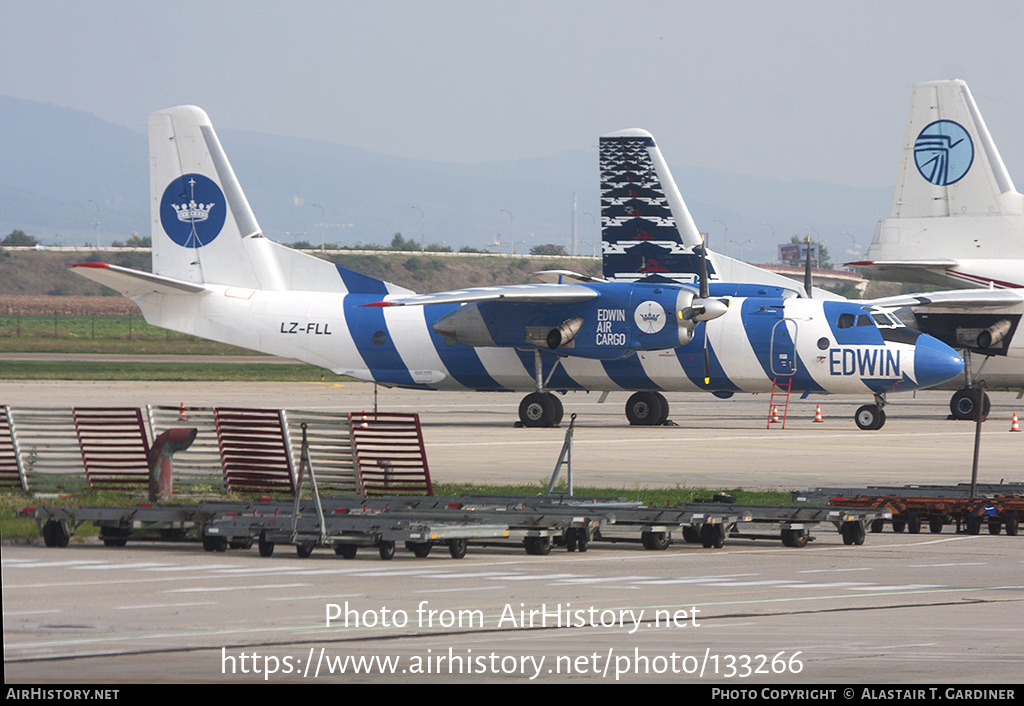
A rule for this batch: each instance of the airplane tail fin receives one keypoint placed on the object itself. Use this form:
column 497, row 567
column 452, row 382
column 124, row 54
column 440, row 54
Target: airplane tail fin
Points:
column 203, row 229
column 950, row 165
column 647, row 230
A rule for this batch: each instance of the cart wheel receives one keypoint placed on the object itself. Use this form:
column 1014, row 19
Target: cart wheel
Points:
column 853, row 533
column 1011, row 523
column 935, row 524
column 537, row 546
column 691, row 535
column 387, row 550
column 995, row 527
column 712, row 536
column 54, row 534
column 973, row 524
column 877, row 525
column 582, row 540
column 898, row 525
column 655, row 541
column 114, row 537
column 795, row 537
column 457, row 548
column 571, row 540
column 419, row 549
column 346, row 551
column 303, row 550
column 913, row 521
column 266, row 547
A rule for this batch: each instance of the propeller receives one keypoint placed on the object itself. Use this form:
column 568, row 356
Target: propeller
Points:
column 808, row 279
column 704, row 308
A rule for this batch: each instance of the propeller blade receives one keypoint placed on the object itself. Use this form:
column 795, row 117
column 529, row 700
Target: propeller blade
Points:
column 703, row 271
column 707, row 362
column 808, row 280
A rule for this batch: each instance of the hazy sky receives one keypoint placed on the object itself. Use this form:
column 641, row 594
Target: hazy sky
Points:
column 783, row 89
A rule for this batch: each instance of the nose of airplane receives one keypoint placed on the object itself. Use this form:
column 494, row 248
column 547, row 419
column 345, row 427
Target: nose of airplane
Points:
column 935, row 362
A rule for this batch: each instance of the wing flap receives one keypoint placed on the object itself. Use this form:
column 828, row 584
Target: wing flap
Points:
column 536, row 293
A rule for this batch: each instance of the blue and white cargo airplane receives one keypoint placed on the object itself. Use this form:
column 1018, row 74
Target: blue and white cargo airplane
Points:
column 637, row 329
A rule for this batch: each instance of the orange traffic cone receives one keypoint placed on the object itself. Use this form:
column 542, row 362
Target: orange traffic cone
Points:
column 817, row 413
column 181, row 414
column 1015, row 426
column 775, row 415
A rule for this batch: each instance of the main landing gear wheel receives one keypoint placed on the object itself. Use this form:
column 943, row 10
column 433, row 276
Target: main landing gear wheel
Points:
column 540, row 409
column 647, row 408
column 964, row 403
column 870, row 417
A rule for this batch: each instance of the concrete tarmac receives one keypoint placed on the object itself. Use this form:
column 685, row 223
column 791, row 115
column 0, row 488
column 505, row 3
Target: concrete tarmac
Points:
column 901, row 609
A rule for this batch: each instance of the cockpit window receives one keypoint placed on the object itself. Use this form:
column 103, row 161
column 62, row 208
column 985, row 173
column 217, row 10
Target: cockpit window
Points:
column 845, row 321
column 886, row 320
column 863, row 320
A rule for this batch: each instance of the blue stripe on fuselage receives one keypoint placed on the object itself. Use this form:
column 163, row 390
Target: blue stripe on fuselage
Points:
column 461, row 361
column 559, row 381
column 628, row 373
column 691, row 358
column 374, row 342
column 358, row 283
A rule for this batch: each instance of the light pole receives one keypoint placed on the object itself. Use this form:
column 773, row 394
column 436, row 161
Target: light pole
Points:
column 421, row 227
column 323, row 232
column 512, row 231
column 593, row 233
column 96, row 225
column 774, row 246
column 725, row 236
column 748, row 240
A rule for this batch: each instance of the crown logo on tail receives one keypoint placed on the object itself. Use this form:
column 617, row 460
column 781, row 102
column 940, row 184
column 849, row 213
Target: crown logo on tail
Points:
column 192, row 212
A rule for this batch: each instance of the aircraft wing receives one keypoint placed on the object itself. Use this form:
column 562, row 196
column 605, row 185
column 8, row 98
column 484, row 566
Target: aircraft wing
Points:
column 536, row 293
column 133, row 283
column 957, row 298
column 558, row 276
column 938, row 262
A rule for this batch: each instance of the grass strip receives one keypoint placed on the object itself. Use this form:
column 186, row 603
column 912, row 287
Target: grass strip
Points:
column 176, row 372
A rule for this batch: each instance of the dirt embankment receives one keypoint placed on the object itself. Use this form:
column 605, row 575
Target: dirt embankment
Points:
column 40, row 283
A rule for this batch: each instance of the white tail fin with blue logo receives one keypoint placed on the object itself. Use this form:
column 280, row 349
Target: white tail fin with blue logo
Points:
column 957, row 218
column 203, row 229
column 950, row 165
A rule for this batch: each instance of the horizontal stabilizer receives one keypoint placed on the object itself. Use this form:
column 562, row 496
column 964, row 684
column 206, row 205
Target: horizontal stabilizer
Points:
column 134, row 283
column 537, row 293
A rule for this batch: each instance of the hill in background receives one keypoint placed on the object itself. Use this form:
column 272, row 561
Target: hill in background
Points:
column 68, row 178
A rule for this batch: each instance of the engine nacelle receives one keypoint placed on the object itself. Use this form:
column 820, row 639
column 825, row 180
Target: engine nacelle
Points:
column 566, row 331
column 994, row 333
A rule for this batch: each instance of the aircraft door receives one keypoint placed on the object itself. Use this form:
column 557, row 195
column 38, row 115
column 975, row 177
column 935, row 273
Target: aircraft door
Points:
column 783, row 353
